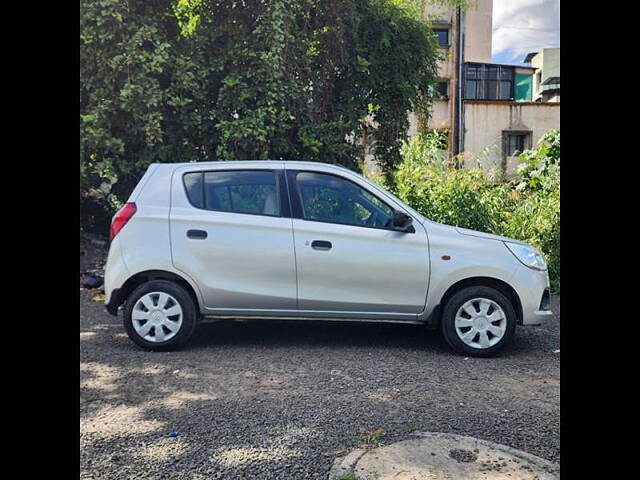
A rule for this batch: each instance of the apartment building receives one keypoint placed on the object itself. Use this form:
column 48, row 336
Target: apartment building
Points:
column 546, row 80
column 488, row 111
column 454, row 28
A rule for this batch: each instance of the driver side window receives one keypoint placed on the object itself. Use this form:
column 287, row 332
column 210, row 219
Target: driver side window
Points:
column 328, row 198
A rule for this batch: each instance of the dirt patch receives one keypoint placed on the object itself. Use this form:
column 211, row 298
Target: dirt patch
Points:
column 462, row 455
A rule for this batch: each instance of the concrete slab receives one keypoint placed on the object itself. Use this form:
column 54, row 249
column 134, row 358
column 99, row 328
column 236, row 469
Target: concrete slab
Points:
column 441, row 456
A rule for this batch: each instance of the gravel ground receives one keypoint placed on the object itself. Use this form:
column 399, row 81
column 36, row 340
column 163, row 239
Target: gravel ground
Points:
column 282, row 399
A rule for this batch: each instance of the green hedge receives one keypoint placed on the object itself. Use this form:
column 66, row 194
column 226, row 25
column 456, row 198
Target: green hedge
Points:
column 526, row 208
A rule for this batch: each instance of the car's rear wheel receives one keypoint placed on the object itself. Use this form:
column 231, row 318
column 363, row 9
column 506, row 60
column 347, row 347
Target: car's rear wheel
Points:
column 478, row 321
column 160, row 315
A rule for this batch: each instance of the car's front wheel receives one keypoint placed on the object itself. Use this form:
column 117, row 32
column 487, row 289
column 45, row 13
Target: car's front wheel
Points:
column 478, row 321
column 160, row 315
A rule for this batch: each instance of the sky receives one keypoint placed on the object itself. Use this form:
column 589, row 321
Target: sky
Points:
column 523, row 26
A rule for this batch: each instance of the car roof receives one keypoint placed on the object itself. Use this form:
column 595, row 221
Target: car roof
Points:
column 248, row 163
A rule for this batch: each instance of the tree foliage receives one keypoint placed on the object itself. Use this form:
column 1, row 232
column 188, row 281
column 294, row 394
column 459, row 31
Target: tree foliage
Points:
column 193, row 80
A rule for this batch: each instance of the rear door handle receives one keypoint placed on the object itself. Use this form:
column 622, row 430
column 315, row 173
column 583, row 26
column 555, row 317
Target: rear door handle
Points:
column 321, row 245
column 199, row 234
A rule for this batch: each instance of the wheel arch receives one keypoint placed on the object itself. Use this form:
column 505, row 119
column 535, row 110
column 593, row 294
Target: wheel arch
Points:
column 148, row 275
column 500, row 285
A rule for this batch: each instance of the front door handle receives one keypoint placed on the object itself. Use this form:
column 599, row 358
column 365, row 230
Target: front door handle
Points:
column 321, row 245
column 199, row 234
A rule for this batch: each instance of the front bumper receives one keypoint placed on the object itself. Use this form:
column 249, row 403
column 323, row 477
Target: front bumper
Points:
column 539, row 317
column 532, row 287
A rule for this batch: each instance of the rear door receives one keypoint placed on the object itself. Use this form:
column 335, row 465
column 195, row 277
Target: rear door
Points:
column 349, row 259
column 231, row 233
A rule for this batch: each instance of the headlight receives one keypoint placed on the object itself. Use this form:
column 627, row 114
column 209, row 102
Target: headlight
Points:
column 527, row 255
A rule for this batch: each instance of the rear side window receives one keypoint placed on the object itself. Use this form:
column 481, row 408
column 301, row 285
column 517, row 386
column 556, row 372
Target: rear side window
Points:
column 246, row 191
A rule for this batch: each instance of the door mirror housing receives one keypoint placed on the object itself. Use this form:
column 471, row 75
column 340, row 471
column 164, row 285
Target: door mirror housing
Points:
column 403, row 222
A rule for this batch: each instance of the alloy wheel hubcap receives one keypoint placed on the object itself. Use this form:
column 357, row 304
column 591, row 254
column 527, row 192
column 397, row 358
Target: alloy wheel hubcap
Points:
column 480, row 323
column 157, row 317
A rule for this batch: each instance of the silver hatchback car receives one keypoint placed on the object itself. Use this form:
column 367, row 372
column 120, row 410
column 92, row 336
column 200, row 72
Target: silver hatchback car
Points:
column 307, row 240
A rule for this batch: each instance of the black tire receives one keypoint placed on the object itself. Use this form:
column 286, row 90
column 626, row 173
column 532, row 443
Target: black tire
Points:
column 189, row 315
column 459, row 299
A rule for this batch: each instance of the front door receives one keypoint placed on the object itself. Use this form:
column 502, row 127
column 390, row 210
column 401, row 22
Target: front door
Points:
column 349, row 258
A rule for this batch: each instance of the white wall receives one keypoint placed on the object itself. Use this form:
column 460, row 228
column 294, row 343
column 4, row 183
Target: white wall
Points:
column 478, row 31
column 484, row 122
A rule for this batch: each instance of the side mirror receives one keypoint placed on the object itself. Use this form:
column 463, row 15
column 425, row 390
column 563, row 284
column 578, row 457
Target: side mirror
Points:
column 402, row 222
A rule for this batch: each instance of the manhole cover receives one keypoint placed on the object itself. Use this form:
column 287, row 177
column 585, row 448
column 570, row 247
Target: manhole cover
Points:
column 442, row 456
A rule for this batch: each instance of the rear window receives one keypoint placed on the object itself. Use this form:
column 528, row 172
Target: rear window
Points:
column 247, row 191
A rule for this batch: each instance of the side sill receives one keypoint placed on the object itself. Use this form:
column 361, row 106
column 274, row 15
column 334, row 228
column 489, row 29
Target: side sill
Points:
column 329, row 319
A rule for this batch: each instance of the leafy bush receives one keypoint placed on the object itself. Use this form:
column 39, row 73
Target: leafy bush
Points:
column 527, row 208
column 540, row 168
column 536, row 218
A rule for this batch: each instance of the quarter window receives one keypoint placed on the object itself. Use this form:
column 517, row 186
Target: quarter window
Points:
column 328, row 198
column 248, row 191
column 193, row 186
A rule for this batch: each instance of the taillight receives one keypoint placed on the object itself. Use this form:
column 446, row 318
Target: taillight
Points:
column 121, row 218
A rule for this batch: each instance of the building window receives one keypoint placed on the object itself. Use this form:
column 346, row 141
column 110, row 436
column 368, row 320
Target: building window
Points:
column 523, row 88
column 516, row 143
column 443, row 36
column 488, row 82
column 443, row 89
column 440, row 91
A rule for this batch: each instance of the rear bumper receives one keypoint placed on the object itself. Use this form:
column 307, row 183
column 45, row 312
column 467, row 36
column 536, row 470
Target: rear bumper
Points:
column 114, row 302
column 115, row 275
